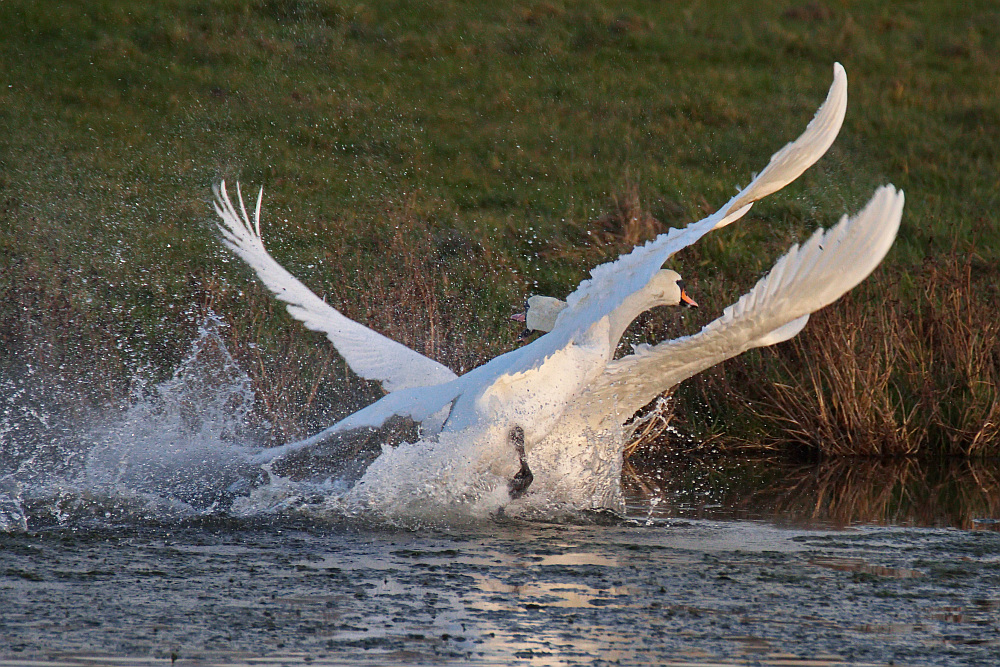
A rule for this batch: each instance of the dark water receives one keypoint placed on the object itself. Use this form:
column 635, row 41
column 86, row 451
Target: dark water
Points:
column 651, row 590
column 950, row 493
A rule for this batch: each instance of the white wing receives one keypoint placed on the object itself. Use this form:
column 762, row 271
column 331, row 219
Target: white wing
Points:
column 610, row 284
column 368, row 353
column 804, row 280
column 417, row 403
column 787, row 164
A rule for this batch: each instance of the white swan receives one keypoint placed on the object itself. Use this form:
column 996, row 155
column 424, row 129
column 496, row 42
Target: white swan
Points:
column 559, row 402
column 540, row 313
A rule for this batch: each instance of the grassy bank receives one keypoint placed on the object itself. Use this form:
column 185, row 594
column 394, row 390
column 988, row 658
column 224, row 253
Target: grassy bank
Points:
column 427, row 165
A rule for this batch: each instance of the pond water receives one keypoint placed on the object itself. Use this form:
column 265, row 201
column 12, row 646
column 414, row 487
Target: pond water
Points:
column 645, row 590
column 117, row 547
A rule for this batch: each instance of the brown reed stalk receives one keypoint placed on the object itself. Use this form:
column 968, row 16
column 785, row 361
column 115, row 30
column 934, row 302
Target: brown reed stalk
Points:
column 877, row 377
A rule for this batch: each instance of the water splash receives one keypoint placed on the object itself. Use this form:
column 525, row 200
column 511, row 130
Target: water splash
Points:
column 185, row 439
column 182, row 448
column 177, row 449
column 12, row 517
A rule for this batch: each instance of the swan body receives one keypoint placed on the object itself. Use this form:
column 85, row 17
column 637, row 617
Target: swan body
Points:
column 540, row 313
column 564, row 394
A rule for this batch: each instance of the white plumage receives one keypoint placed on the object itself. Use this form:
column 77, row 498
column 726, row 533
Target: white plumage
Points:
column 541, row 312
column 565, row 390
column 369, row 354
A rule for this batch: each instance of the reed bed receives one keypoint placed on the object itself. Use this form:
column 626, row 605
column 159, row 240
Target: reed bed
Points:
column 906, row 365
column 880, row 375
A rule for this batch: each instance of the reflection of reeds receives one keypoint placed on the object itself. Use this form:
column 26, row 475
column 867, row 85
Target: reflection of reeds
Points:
column 953, row 492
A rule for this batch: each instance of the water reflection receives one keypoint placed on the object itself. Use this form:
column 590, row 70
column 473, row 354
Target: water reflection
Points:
column 842, row 564
column 549, row 594
column 952, row 493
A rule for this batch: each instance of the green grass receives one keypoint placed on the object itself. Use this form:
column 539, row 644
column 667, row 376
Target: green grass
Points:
column 497, row 134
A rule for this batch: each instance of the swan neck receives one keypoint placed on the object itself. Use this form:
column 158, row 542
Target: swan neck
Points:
column 623, row 316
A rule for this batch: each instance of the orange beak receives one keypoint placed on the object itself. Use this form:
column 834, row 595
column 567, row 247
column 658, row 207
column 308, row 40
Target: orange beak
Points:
column 688, row 301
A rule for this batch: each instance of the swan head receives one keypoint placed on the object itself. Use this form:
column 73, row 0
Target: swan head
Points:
column 666, row 288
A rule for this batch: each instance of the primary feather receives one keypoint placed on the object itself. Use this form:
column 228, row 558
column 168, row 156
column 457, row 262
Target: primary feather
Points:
column 368, row 353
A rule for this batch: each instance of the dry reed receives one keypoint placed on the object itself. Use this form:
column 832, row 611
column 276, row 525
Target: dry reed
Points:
column 876, row 376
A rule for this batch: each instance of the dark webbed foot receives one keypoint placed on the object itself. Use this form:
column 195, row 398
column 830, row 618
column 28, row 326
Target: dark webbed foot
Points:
column 522, row 480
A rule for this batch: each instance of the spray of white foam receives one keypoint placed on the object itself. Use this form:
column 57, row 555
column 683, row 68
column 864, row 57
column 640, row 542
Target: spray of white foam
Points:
column 182, row 439
column 12, row 516
column 181, row 448
column 176, row 450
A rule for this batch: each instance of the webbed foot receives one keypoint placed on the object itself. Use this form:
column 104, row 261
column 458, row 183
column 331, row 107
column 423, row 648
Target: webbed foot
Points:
column 522, row 480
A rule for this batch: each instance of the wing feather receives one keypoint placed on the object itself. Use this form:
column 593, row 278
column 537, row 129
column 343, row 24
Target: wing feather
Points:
column 611, row 283
column 368, row 353
column 787, row 164
column 417, row 403
column 804, row 280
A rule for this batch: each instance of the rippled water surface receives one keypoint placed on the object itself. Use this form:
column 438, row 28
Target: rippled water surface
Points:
column 653, row 591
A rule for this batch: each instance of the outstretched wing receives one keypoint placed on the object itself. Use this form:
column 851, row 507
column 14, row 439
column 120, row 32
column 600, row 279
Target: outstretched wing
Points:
column 417, row 403
column 368, row 353
column 787, row 164
column 610, row 284
column 804, row 280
